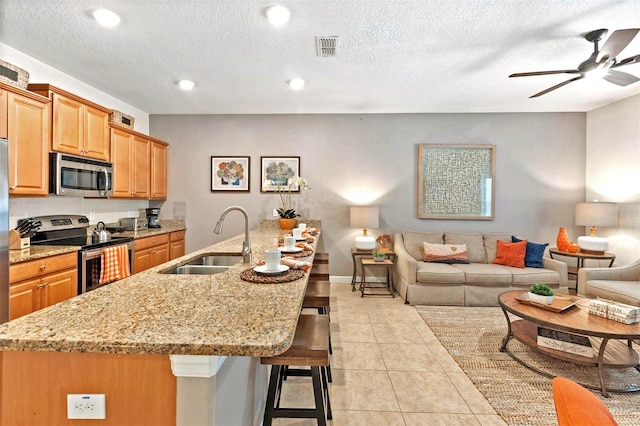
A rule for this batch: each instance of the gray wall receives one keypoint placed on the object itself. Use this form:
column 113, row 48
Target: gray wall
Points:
column 350, row 159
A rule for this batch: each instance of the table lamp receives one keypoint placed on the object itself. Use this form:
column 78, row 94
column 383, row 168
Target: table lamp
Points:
column 364, row 217
column 593, row 215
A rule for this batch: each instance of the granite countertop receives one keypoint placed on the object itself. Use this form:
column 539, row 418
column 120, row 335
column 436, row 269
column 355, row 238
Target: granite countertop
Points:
column 158, row 313
column 37, row 251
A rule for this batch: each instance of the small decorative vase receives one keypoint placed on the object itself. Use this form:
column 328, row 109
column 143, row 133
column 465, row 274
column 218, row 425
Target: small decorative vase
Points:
column 563, row 240
column 287, row 223
column 543, row 300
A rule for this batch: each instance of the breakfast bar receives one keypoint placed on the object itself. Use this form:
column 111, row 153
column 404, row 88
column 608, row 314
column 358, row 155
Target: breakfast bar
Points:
column 198, row 326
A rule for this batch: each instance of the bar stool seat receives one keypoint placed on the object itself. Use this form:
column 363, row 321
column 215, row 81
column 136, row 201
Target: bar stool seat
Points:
column 310, row 348
column 319, row 272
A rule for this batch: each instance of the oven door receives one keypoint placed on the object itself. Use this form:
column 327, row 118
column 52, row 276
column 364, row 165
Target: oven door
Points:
column 90, row 266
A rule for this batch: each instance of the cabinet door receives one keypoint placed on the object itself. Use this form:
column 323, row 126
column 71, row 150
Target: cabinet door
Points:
column 96, row 133
column 121, row 148
column 28, row 131
column 158, row 171
column 177, row 249
column 160, row 254
column 24, row 298
column 141, row 166
column 4, row 118
column 60, row 286
column 68, row 124
column 142, row 260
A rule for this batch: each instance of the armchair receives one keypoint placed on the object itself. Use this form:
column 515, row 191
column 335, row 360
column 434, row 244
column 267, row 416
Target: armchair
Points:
column 621, row 284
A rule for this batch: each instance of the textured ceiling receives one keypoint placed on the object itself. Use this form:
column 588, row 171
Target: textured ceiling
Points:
column 394, row 57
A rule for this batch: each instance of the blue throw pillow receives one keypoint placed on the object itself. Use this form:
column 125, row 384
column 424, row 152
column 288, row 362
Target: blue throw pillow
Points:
column 533, row 255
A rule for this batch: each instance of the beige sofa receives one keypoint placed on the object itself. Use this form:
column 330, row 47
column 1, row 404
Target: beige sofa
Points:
column 621, row 283
column 475, row 284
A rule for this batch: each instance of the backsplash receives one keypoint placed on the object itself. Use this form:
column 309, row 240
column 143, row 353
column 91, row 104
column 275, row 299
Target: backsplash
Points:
column 105, row 210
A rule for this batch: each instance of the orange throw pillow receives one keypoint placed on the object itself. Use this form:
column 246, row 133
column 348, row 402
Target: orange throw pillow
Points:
column 511, row 254
column 576, row 406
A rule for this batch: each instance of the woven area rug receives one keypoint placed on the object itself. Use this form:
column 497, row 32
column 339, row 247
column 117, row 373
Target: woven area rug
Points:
column 519, row 395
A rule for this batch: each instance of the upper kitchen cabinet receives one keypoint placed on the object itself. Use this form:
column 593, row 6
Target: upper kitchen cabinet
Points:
column 79, row 127
column 158, row 170
column 24, row 119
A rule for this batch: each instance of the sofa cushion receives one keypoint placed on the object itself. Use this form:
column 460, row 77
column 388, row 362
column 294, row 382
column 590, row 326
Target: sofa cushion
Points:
column 439, row 273
column 526, row 277
column 620, row 291
column 413, row 241
column 491, row 244
column 534, row 253
column 445, row 253
column 511, row 254
column 485, row 274
column 474, row 242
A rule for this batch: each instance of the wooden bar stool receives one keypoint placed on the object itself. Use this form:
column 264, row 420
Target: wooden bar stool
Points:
column 310, row 348
column 319, row 272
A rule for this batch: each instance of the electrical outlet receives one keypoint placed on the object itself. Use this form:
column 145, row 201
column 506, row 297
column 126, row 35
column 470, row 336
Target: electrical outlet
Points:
column 131, row 213
column 92, row 215
column 86, row 406
column 275, row 213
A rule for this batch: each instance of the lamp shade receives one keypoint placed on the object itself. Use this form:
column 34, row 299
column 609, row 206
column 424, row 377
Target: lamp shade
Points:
column 597, row 214
column 364, row 217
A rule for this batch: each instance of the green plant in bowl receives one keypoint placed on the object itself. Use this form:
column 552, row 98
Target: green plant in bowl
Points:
column 541, row 293
column 378, row 255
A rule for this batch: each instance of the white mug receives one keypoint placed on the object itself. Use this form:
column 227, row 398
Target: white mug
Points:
column 289, row 242
column 297, row 232
column 272, row 259
column 302, row 226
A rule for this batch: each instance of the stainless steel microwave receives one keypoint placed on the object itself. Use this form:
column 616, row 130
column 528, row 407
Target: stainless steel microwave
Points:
column 79, row 176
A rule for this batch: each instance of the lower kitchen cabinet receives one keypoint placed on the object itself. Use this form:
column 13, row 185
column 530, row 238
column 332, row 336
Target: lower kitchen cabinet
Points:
column 149, row 252
column 40, row 283
column 176, row 247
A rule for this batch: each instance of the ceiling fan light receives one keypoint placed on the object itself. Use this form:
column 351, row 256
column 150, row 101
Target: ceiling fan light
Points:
column 597, row 73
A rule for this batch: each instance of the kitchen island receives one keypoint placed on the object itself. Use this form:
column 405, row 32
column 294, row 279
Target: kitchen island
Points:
column 185, row 324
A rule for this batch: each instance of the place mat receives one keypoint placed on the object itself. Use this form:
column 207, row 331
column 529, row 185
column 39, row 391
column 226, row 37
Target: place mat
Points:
column 254, row 277
column 303, row 253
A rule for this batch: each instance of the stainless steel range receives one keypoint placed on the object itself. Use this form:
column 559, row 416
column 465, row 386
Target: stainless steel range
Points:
column 71, row 230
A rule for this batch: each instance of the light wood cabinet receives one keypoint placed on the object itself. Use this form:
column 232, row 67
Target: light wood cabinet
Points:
column 79, row 127
column 176, row 244
column 24, row 118
column 158, row 170
column 150, row 252
column 40, row 283
column 139, row 165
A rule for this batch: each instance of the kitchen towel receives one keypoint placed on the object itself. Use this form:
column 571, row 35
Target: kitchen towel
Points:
column 114, row 264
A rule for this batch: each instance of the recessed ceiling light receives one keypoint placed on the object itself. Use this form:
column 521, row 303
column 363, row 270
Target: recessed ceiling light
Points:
column 296, row 83
column 186, row 84
column 106, row 18
column 278, row 15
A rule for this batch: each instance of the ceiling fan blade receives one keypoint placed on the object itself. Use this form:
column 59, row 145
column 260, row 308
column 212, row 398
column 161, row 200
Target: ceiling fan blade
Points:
column 627, row 61
column 557, row 86
column 620, row 78
column 617, row 42
column 528, row 74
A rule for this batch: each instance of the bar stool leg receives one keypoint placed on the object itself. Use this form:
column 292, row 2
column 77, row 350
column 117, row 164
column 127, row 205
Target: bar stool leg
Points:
column 318, row 393
column 326, row 391
column 271, row 395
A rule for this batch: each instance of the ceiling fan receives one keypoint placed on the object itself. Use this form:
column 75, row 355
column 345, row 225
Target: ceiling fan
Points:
column 601, row 62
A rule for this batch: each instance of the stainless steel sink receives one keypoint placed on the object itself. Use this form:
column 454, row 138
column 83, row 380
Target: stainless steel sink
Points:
column 206, row 264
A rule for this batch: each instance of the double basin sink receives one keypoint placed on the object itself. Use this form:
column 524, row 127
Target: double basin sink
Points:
column 206, row 264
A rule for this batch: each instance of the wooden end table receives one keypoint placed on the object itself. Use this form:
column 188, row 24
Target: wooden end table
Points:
column 357, row 255
column 612, row 352
column 387, row 264
column 580, row 258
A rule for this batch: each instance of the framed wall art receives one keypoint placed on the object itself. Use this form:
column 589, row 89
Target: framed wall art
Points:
column 230, row 174
column 279, row 170
column 456, row 181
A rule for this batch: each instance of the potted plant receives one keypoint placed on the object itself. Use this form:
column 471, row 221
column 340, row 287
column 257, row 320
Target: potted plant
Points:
column 283, row 188
column 378, row 255
column 541, row 293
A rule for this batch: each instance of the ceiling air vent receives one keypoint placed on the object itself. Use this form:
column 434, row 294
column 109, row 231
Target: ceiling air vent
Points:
column 327, row 46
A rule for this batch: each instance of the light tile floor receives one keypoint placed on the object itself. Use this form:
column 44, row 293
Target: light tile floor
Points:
column 389, row 369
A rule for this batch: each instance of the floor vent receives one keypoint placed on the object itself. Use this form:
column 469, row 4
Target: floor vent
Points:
column 327, row 46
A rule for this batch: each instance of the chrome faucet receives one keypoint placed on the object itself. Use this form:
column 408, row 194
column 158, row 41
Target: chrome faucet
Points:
column 246, row 245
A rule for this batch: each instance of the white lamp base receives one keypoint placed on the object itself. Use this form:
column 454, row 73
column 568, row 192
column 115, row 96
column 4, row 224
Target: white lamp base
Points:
column 365, row 243
column 596, row 245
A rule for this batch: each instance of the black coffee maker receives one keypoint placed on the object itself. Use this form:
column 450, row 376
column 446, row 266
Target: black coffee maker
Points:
column 153, row 218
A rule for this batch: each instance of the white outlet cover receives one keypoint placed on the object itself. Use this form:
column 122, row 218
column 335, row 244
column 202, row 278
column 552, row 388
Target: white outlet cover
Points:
column 86, row 406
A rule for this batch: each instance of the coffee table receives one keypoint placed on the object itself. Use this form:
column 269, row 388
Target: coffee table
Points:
column 607, row 336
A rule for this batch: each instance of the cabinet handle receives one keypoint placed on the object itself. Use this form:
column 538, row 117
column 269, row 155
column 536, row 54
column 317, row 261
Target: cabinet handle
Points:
column 13, row 187
column 43, row 267
column 42, row 285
